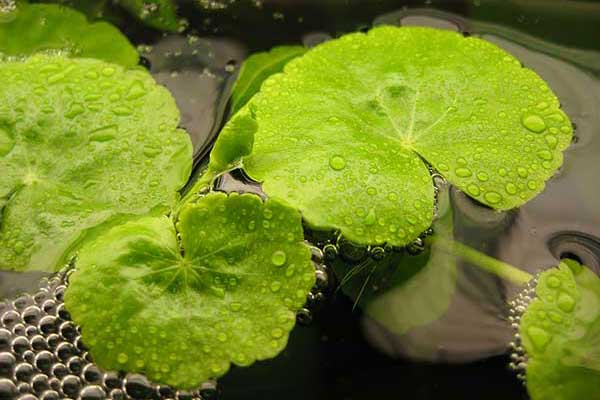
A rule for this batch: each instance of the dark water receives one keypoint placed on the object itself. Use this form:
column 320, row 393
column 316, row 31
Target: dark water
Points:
column 344, row 354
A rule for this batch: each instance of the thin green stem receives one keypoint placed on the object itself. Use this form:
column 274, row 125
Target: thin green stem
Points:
column 485, row 262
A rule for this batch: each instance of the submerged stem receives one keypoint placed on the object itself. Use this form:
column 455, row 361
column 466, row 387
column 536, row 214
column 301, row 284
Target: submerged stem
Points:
column 485, row 262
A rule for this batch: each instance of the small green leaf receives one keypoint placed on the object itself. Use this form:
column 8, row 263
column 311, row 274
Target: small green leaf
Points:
column 159, row 14
column 256, row 69
column 560, row 331
column 33, row 28
column 406, row 291
column 182, row 312
column 81, row 141
column 350, row 124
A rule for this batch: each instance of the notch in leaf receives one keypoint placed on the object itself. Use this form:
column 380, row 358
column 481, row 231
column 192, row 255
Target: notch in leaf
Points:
column 373, row 111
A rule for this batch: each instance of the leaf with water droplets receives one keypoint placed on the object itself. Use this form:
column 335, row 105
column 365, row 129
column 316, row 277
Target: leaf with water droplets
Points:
column 159, row 14
column 227, row 292
column 405, row 291
column 354, row 122
column 83, row 141
column 560, row 331
column 33, row 28
column 257, row 68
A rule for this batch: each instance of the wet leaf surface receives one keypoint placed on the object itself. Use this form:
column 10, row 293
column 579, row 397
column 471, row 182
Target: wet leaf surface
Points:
column 181, row 312
column 82, row 141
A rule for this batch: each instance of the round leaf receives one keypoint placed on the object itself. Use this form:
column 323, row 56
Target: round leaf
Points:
column 181, row 312
column 560, row 331
column 33, row 28
column 80, row 141
column 344, row 132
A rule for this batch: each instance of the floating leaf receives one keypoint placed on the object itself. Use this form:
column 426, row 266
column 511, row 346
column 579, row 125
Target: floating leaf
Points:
column 257, row 68
column 406, row 291
column 159, row 14
column 349, row 124
column 181, row 312
column 81, row 140
column 33, row 28
column 560, row 331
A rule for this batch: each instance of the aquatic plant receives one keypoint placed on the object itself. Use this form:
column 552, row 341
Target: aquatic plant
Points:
column 560, row 332
column 375, row 114
column 180, row 310
column 368, row 109
column 81, row 141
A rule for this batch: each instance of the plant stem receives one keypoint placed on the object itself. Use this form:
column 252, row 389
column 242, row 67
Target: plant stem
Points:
column 483, row 261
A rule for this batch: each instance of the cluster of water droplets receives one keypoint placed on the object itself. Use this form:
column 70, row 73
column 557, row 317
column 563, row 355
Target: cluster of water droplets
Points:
column 42, row 356
column 518, row 306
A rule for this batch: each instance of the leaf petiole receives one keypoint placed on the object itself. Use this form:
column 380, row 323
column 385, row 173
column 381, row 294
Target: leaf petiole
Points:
column 485, row 262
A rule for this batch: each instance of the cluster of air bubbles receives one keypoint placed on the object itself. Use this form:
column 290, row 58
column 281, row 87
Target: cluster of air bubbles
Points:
column 518, row 356
column 355, row 253
column 42, row 356
column 318, row 294
column 215, row 4
column 7, row 6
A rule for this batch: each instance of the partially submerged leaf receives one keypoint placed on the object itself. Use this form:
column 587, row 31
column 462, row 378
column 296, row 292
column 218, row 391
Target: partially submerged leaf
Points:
column 256, row 69
column 34, row 28
column 81, row 140
column 406, row 291
column 159, row 14
column 343, row 133
column 182, row 312
column 560, row 331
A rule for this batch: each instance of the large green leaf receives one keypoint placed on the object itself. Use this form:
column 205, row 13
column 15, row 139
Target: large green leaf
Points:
column 256, row 69
column 33, row 28
column 344, row 132
column 81, row 140
column 180, row 312
column 560, row 331
column 405, row 291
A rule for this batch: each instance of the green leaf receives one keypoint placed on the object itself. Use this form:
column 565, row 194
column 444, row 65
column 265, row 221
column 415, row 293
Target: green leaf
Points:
column 159, row 14
column 344, row 132
column 406, row 291
column 256, row 69
column 81, row 141
column 182, row 312
column 33, row 28
column 560, row 331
